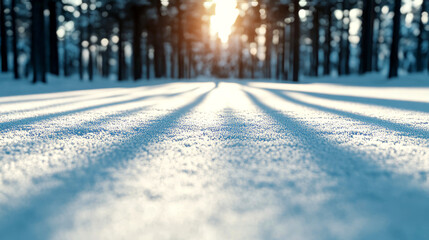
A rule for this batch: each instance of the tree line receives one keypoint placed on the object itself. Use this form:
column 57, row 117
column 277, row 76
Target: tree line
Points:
column 146, row 39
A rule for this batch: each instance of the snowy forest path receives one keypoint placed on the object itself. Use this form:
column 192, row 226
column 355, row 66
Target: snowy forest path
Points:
column 224, row 160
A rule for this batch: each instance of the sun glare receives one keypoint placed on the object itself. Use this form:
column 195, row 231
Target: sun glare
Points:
column 225, row 15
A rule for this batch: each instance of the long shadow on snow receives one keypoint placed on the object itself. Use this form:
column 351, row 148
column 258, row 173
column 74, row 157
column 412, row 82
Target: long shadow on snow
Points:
column 148, row 85
column 367, row 187
column 78, row 130
column 30, row 222
column 30, row 120
column 65, row 132
column 400, row 128
column 37, row 99
column 62, row 104
column 390, row 103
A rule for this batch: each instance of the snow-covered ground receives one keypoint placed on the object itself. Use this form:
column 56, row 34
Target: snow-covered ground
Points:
column 339, row 159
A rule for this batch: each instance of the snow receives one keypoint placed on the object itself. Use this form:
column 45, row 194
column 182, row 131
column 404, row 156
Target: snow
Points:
column 344, row 158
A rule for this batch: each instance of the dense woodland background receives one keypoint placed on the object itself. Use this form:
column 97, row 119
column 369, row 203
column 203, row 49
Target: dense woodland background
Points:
column 146, row 39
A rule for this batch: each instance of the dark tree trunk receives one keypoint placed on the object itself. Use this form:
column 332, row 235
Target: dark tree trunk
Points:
column 377, row 26
column 240, row 60
column 181, row 57
column 160, row 60
column 90, row 53
column 340, row 64
column 283, row 71
column 137, row 51
column 268, row 44
column 290, row 53
column 173, row 60
column 81, row 50
column 347, row 56
column 296, row 45
column 65, row 62
column 14, row 40
column 394, row 60
column 65, row 57
column 121, row 57
column 190, row 60
column 53, row 39
column 279, row 55
column 106, row 65
column 38, row 41
column 347, row 42
column 419, row 50
column 3, row 35
column 90, row 62
column 367, row 38
column 315, row 44
column 80, row 57
column 328, row 47
column 148, row 40
column 253, row 66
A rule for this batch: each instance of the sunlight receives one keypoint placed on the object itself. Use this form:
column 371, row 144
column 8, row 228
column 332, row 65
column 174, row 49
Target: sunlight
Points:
column 221, row 22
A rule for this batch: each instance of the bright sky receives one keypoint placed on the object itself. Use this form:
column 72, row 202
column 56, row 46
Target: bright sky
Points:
column 221, row 22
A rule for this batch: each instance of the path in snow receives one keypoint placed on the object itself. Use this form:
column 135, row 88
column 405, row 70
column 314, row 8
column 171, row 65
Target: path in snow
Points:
column 203, row 160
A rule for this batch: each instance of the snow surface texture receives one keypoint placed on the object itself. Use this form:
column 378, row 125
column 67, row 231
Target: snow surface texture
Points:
column 215, row 160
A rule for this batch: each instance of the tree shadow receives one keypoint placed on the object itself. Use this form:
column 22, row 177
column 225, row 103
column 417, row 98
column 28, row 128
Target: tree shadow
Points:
column 390, row 103
column 62, row 104
column 370, row 80
column 78, row 86
column 31, row 120
column 31, row 221
column 363, row 185
column 38, row 99
column 397, row 127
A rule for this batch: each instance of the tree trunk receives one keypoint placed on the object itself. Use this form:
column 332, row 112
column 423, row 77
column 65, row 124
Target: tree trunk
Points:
column 268, row 44
column 315, row 44
column 190, row 61
column 240, row 60
column 106, row 64
column 53, row 39
column 367, row 38
column 159, row 48
column 253, row 66
column 290, row 53
column 328, row 47
column 81, row 48
column 394, row 60
column 90, row 61
column 148, row 40
column 121, row 51
column 341, row 52
column 419, row 50
column 278, row 55
column 137, row 51
column 181, row 57
column 14, row 40
column 65, row 57
column 296, row 45
column 38, row 41
column 81, row 55
column 283, row 70
column 347, row 42
column 173, row 59
column 375, row 61
column 3, row 35
column 90, row 43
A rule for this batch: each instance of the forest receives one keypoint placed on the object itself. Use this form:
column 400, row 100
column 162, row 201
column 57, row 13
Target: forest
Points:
column 214, row 119
column 177, row 39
